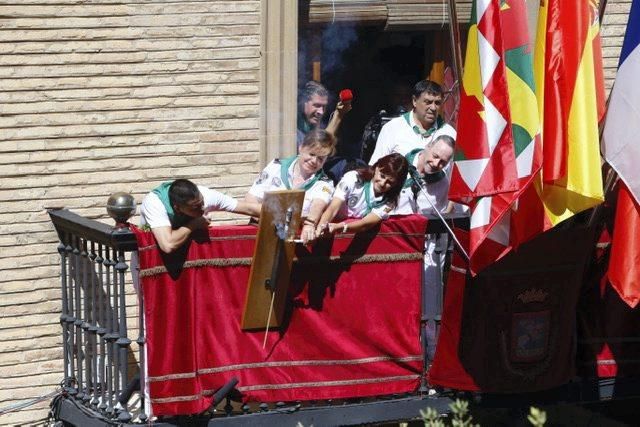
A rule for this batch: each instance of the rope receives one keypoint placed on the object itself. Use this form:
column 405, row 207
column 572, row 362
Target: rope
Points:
column 340, row 259
column 26, row 404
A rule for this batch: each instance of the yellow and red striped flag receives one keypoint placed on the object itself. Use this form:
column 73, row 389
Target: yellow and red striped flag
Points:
column 570, row 91
column 571, row 100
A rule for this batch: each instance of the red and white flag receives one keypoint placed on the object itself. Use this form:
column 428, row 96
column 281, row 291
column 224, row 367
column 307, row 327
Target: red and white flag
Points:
column 621, row 149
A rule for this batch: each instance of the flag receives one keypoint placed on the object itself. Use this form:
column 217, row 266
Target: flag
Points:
column 621, row 139
column 570, row 91
column 624, row 261
column 621, row 149
column 498, row 146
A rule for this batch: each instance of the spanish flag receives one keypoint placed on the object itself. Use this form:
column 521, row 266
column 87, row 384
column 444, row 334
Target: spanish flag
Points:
column 570, row 92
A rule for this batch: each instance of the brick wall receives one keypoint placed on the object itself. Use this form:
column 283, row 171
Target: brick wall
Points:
column 98, row 96
column 614, row 25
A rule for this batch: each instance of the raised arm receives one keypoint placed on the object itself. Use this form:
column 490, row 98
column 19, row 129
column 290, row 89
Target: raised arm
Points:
column 337, row 116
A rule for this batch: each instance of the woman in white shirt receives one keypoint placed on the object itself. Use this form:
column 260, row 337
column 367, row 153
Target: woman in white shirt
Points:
column 303, row 171
column 369, row 194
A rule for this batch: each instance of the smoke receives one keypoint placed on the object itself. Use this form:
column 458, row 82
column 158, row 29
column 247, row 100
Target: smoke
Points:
column 273, row 204
column 336, row 39
column 331, row 43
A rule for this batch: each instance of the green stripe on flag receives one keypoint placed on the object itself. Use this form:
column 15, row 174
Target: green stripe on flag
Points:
column 474, row 19
column 521, row 63
column 521, row 138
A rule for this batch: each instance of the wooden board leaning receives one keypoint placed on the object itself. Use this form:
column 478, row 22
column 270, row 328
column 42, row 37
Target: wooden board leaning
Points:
column 272, row 259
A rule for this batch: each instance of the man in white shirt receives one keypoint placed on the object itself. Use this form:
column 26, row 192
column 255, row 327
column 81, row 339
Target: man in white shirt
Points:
column 417, row 127
column 433, row 164
column 174, row 210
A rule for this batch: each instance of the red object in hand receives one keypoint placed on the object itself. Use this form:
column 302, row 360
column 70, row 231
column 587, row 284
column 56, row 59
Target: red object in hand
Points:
column 346, row 95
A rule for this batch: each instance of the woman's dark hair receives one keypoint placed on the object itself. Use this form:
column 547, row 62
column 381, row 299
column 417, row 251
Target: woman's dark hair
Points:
column 182, row 191
column 393, row 165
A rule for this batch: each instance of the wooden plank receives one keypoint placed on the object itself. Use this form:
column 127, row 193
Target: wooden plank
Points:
column 258, row 300
column 367, row 11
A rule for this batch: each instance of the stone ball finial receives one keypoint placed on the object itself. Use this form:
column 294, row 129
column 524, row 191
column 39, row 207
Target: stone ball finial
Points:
column 121, row 207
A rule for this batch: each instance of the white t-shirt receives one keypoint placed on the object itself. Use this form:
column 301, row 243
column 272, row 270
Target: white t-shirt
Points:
column 398, row 136
column 270, row 180
column 153, row 212
column 437, row 193
column 352, row 190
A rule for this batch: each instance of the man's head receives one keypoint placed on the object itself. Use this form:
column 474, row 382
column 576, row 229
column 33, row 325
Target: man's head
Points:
column 186, row 199
column 426, row 99
column 437, row 154
column 313, row 99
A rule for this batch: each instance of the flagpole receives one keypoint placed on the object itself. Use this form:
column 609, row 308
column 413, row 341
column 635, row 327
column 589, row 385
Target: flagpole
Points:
column 454, row 34
column 603, row 6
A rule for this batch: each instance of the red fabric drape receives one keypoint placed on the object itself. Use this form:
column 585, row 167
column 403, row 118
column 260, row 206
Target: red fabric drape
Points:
column 607, row 323
column 352, row 328
column 447, row 368
column 624, row 265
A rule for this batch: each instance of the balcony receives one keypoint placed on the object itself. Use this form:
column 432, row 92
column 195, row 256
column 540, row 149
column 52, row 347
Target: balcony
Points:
column 104, row 355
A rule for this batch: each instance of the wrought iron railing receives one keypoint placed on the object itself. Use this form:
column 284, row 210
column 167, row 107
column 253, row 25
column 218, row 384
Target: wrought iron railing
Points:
column 93, row 279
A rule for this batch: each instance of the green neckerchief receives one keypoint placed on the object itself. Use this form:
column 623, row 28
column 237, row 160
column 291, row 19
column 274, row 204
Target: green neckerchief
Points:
column 367, row 199
column 162, row 191
column 410, row 158
column 285, row 164
column 424, row 133
column 303, row 126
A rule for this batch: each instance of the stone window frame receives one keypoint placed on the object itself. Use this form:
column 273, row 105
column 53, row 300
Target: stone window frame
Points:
column 278, row 79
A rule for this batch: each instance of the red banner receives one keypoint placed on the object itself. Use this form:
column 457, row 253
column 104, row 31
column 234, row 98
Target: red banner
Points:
column 352, row 328
column 607, row 324
column 511, row 329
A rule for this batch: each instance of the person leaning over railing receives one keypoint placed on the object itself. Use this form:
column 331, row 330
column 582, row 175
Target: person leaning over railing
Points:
column 432, row 166
column 433, row 163
column 174, row 210
column 303, row 171
column 368, row 193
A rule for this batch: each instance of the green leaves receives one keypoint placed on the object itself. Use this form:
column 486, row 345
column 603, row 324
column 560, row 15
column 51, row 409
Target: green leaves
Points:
column 537, row 417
